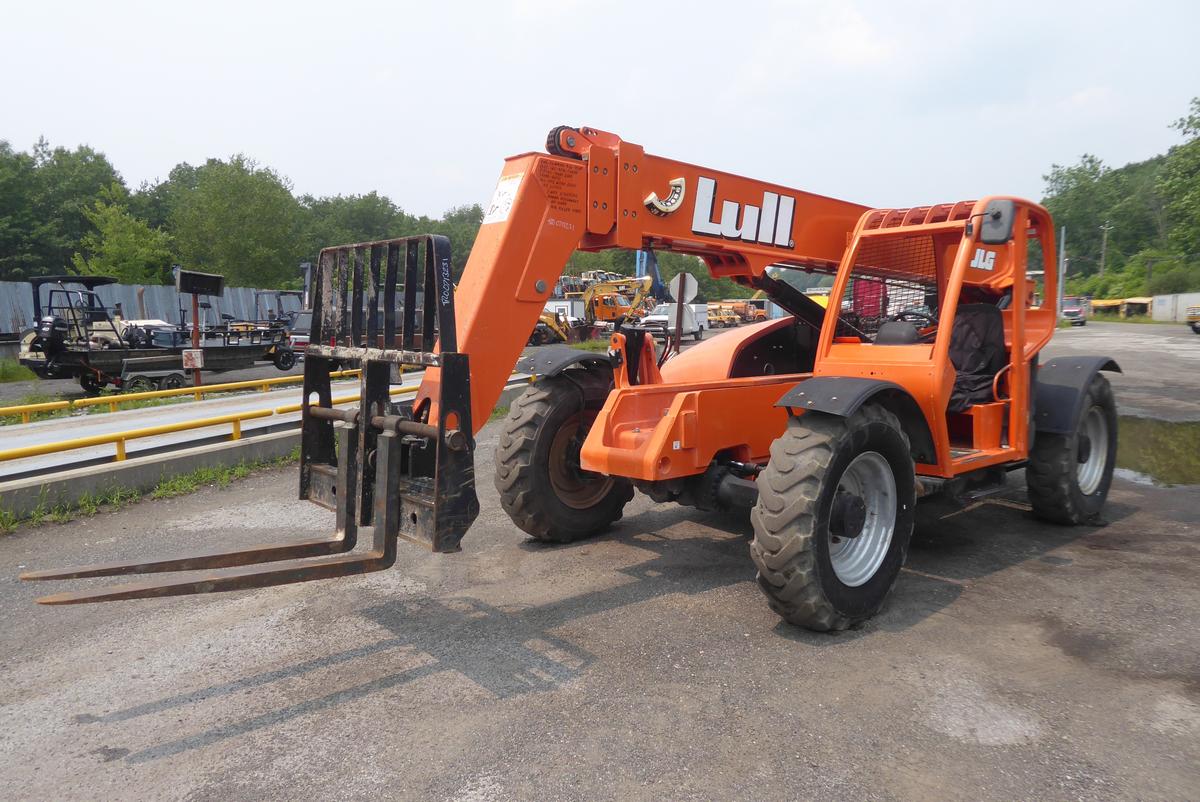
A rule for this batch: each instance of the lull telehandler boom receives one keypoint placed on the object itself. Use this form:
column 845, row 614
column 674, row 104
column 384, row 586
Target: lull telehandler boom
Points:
column 922, row 375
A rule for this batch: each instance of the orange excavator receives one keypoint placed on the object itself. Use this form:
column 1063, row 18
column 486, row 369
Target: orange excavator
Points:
column 921, row 375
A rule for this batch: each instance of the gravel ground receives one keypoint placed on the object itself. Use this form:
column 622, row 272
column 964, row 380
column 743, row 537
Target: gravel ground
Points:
column 1014, row 660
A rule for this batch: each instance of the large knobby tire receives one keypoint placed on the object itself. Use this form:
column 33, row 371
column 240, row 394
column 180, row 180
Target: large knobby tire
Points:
column 542, row 487
column 1068, row 476
column 813, row 577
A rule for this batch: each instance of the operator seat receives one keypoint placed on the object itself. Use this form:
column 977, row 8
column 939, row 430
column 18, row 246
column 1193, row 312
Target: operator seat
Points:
column 977, row 352
column 897, row 332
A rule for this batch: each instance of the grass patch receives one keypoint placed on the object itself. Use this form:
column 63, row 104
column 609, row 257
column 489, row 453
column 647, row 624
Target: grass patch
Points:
column 185, row 483
column 13, row 371
column 118, row 497
column 87, row 506
column 592, row 345
column 498, row 413
column 32, row 398
column 97, row 409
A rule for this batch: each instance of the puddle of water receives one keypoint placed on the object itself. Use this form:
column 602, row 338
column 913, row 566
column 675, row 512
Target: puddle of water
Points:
column 1166, row 452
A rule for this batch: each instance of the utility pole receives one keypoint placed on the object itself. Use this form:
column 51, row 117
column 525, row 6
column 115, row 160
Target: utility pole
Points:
column 1104, row 244
column 1062, row 272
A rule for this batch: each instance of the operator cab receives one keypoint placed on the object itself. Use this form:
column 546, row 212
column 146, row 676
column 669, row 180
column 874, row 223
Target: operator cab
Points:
column 945, row 285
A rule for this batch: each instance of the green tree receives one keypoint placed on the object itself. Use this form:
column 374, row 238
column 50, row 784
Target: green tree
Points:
column 68, row 185
column 18, row 259
column 240, row 220
column 341, row 220
column 123, row 246
column 44, row 197
column 460, row 225
column 1180, row 183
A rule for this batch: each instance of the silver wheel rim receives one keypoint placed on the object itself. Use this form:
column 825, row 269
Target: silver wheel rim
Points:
column 1089, row 472
column 855, row 560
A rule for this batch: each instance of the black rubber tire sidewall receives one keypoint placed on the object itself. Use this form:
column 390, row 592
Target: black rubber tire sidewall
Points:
column 862, row 601
column 285, row 359
column 528, row 495
column 1052, row 474
column 91, row 386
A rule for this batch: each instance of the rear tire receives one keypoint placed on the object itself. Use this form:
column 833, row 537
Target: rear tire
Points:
column 699, row 335
column 542, row 488
column 1064, row 489
column 813, row 577
column 172, row 381
column 139, row 384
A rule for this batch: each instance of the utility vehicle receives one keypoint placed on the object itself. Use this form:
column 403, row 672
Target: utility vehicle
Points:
column 920, row 375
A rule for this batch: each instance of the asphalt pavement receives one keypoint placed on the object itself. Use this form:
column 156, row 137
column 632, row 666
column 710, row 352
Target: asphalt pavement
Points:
column 1014, row 659
column 1160, row 364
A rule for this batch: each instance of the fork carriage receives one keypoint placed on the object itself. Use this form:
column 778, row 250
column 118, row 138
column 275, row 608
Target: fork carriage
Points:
column 405, row 469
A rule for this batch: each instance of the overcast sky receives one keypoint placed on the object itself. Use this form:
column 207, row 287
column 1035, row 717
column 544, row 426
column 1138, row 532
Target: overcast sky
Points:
column 887, row 104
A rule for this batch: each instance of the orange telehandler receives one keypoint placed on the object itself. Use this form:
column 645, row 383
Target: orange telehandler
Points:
column 921, row 375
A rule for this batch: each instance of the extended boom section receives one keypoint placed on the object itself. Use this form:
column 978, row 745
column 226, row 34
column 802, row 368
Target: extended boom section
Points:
column 405, row 469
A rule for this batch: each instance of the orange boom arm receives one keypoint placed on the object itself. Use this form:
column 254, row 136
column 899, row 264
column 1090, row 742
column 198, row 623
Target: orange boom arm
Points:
column 594, row 191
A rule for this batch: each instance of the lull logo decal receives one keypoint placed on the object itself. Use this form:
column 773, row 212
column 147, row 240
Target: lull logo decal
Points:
column 770, row 224
column 674, row 200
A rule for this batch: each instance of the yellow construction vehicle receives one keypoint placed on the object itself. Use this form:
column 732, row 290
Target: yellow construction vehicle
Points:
column 554, row 327
column 721, row 316
column 614, row 301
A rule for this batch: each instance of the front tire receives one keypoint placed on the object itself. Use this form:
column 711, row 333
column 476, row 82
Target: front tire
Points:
column 1068, row 476
column 834, row 517
column 542, row 487
column 699, row 335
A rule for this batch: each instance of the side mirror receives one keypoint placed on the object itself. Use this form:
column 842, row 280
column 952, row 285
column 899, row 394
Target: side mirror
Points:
column 996, row 228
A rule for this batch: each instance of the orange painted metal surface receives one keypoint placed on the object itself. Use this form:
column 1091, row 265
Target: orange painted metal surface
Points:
column 595, row 191
column 598, row 196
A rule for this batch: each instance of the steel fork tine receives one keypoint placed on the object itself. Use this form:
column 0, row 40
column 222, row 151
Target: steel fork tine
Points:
column 226, row 559
column 285, row 573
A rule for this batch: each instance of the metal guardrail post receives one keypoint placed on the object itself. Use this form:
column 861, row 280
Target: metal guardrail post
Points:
column 120, row 439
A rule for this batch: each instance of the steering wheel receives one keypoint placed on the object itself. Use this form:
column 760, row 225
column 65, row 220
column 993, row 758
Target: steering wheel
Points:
column 915, row 316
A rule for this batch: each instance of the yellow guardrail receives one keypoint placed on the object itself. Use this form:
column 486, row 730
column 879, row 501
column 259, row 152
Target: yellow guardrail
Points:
column 343, row 399
column 26, row 411
column 120, row 438
column 264, row 385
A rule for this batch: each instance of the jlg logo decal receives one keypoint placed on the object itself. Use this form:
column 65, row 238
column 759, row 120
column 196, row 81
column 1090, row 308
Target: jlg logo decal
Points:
column 984, row 259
